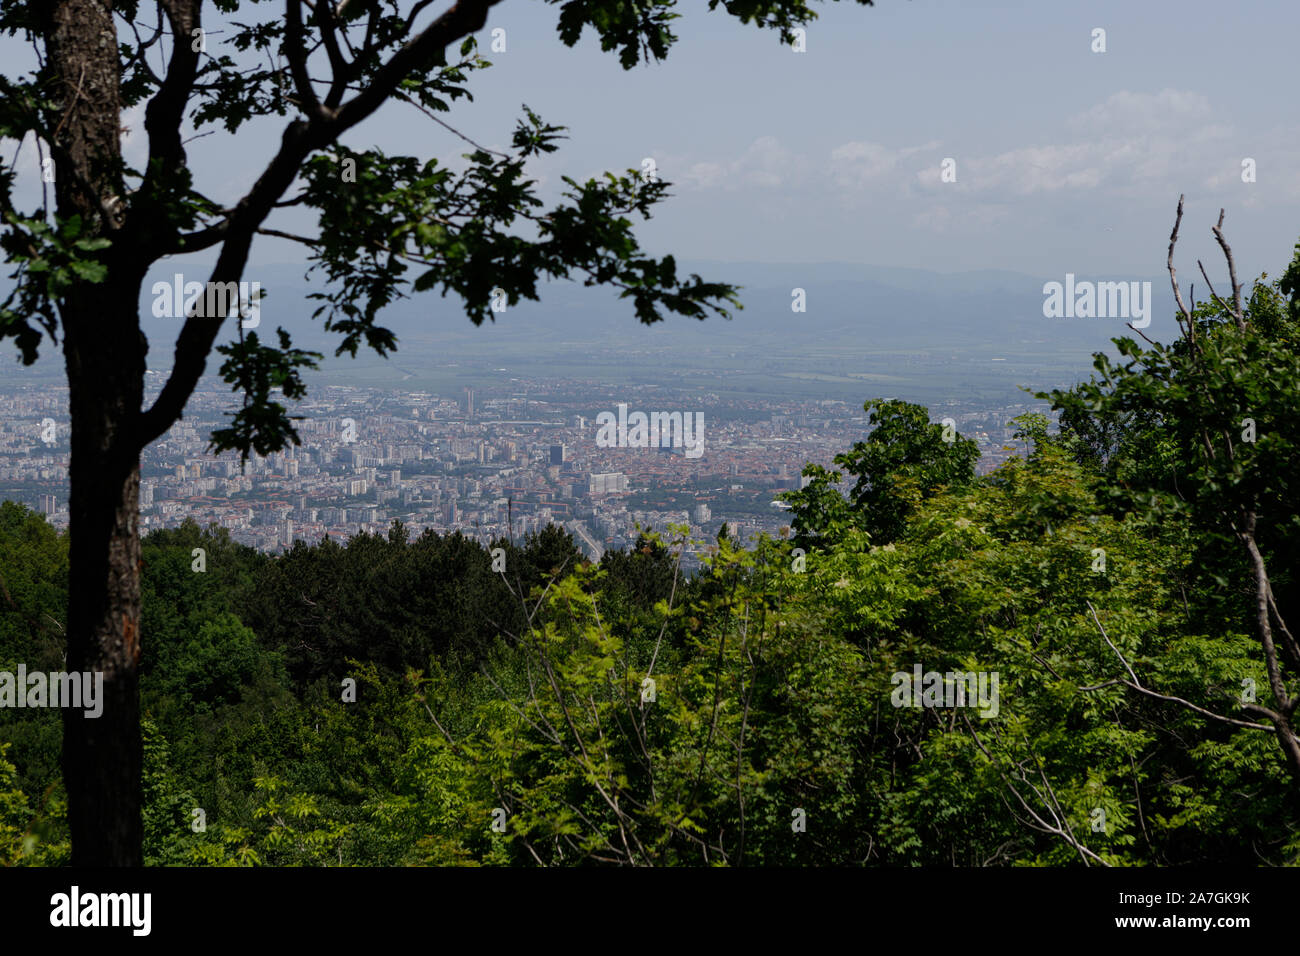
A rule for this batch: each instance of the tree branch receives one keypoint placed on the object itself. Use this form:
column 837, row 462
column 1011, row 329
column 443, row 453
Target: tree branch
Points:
column 300, row 138
column 166, row 110
column 295, row 52
column 1136, row 685
column 1232, row 274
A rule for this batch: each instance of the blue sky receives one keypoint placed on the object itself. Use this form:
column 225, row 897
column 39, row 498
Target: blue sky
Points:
column 1067, row 160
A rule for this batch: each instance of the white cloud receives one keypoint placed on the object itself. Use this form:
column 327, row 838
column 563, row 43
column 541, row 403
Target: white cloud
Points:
column 765, row 164
column 1169, row 111
column 1122, row 146
column 857, row 165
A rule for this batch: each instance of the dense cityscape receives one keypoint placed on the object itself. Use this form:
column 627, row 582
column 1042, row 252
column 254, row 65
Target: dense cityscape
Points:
column 491, row 463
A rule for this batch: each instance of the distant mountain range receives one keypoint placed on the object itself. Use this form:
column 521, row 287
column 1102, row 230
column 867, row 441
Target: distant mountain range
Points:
column 859, row 305
column 856, row 314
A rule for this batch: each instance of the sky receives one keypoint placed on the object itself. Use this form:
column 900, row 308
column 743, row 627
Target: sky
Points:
column 1065, row 159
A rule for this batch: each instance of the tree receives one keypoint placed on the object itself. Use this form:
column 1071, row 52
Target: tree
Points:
column 1220, row 400
column 33, row 599
column 79, row 265
column 905, row 460
column 603, row 745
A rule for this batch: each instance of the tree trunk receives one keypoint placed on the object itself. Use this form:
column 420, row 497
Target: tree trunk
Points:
column 105, row 353
column 102, row 756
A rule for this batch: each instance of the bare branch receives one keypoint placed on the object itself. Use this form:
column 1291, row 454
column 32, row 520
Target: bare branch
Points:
column 1173, row 274
column 1263, row 621
column 451, row 129
column 1232, row 274
column 1223, row 305
column 1136, row 685
column 1038, row 822
column 305, row 240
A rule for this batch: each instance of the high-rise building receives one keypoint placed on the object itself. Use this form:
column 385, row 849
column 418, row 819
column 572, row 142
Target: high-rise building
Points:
column 469, row 403
column 607, row 483
column 559, row 454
